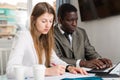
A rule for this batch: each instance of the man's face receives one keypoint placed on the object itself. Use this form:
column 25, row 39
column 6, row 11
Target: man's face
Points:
column 69, row 23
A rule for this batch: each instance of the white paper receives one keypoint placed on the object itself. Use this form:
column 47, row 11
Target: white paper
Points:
column 67, row 75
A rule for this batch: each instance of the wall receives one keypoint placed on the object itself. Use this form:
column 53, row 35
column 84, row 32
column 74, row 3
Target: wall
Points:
column 103, row 35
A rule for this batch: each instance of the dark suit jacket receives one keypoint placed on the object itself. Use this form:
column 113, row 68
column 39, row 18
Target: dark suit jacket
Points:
column 81, row 47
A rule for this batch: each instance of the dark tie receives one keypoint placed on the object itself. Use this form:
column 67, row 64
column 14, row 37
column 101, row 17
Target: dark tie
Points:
column 67, row 36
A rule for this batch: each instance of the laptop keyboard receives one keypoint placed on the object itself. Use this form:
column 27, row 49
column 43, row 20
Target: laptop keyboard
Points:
column 107, row 70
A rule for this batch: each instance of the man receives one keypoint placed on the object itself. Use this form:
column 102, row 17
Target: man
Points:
column 76, row 50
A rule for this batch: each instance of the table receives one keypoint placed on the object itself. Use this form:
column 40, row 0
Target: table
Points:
column 69, row 75
column 116, row 70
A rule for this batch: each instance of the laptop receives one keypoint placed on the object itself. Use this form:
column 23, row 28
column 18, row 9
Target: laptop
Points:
column 105, row 72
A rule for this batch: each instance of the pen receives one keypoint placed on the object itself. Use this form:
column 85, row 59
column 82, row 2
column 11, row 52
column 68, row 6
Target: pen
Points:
column 53, row 64
column 26, row 78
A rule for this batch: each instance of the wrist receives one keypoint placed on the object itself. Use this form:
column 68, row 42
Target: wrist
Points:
column 67, row 68
column 82, row 63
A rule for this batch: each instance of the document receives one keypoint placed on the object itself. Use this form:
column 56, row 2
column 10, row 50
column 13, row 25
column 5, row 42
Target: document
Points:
column 67, row 75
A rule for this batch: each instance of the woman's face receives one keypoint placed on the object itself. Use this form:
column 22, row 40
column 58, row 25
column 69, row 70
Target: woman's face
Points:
column 44, row 23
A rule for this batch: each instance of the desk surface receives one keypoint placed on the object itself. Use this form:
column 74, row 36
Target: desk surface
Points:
column 69, row 75
column 66, row 75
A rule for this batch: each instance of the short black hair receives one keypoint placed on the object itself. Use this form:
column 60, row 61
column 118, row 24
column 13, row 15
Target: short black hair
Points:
column 64, row 8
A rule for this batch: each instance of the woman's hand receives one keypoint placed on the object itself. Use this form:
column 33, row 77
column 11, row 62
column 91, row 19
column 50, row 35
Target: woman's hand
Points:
column 55, row 70
column 76, row 70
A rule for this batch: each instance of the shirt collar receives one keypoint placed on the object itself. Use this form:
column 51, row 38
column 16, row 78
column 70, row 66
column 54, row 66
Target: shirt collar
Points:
column 59, row 27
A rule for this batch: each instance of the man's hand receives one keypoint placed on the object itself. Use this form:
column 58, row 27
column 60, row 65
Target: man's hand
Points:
column 96, row 63
column 107, row 62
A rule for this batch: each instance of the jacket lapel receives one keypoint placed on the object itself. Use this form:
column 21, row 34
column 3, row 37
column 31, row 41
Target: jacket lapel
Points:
column 62, row 38
column 76, row 40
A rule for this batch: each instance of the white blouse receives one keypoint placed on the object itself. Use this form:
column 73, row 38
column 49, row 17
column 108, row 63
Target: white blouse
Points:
column 23, row 53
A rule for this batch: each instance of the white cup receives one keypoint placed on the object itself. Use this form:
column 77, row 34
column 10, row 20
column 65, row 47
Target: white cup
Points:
column 39, row 72
column 19, row 72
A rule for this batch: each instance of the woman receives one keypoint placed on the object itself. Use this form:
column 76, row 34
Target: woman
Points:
column 36, row 46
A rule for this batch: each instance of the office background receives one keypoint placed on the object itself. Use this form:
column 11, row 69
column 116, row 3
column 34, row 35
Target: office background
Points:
column 103, row 33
